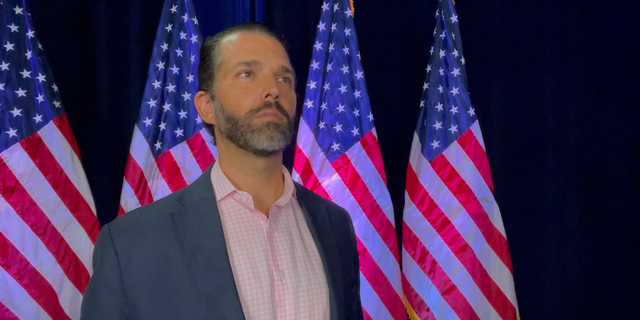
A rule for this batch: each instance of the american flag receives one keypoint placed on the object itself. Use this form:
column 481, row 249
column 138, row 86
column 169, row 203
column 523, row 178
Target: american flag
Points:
column 337, row 156
column 170, row 148
column 455, row 258
column 48, row 223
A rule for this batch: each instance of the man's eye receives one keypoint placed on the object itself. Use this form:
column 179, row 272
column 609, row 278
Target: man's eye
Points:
column 285, row 79
column 245, row 74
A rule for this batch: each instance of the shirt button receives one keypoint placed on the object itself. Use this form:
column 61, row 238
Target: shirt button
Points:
column 281, row 274
column 244, row 198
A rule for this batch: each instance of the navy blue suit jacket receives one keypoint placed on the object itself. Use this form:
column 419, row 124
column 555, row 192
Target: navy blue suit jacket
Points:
column 169, row 260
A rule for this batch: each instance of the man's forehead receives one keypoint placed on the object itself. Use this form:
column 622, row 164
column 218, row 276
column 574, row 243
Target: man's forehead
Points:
column 251, row 46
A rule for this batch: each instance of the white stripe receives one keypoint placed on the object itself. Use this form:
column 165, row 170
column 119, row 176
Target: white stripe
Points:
column 447, row 261
column 427, row 291
column 45, row 197
column 476, row 131
column 460, row 218
column 367, row 171
column 341, row 195
column 208, row 138
column 68, row 160
column 186, row 162
column 25, row 241
column 141, row 153
column 16, row 299
column 128, row 199
column 371, row 302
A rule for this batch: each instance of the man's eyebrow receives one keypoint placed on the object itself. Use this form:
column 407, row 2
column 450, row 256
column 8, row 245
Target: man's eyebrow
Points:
column 285, row 69
column 248, row 64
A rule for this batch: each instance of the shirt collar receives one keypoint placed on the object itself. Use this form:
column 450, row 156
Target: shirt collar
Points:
column 223, row 187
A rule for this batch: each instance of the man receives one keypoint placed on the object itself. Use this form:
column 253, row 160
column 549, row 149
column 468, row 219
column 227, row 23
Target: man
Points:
column 243, row 241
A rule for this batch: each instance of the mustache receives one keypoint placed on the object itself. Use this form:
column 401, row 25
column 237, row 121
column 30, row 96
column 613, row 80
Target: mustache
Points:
column 266, row 106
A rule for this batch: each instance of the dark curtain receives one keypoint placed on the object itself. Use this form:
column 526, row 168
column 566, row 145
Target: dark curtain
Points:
column 554, row 83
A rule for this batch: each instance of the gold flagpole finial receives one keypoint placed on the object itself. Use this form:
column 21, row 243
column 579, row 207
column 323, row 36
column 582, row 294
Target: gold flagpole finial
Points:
column 353, row 10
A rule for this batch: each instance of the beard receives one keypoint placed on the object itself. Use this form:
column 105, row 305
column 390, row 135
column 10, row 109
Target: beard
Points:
column 261, row 139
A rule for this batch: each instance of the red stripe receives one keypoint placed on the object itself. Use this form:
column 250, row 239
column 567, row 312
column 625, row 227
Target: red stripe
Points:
column 200, row 151
column 137, row 181
column 366, row 315
column 472, row 147
column 120, row 211
column 19, row 268
column 371, row 208
column 461, row 190
column 418, row 305
column 371, row 147
column 380, row 283
column 6, row 314
column 20, row 200
column 447, row 289
column 171, row 171
column 458, row 246
column 62, row 123
column 44, row 160
column 303, row 167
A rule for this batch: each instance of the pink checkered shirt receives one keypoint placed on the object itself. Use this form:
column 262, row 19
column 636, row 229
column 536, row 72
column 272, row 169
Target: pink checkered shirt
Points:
column 275, row 261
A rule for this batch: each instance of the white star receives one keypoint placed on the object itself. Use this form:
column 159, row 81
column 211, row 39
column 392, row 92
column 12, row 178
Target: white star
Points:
column 347, row 31
column 340, row 107
column 151, row 103
column 318, row 45
column 193, row 58
column 38, row 118
column 175, row 69
column 455, row 53
column 441, row 71
column 425, row 86
column 40, row 98
column 314, row 65
column 21, row 93
column 18, row 10
column 370, row 116
column 160, row 65
column 13, row 28
column 57, row 104
column 437, row 13
column 171, row 88
column 454, row 110
column 428, row 68
column 12, row 132
column 165, row 47
column 55, row 88
column 438, row 125
column 325, row 6
column 357, row 93
column 346, row 50
column 329, row 68
column 439, row 106
column 195, row 20
column 183, row 114
column 345, row 69
column 16, row 112
column 169, row 27
column 421, row 103
column 190, row 77
column 158, row 145
column 355, row 131
column 443, row 35
column 41, row 77
column 179, row 132
column 327, row 86
column 185, row 17
column 453, row 35
column 311, row 84
column 455, row 72
column 198, row 119
column 179, row 52
column 25, row 74
column 174, row 9
column 335, row 146
column 186, row 96
column 343, row 88
column 147, row 122
column 309, row 104
column 462, row 60
column 321, row 125
column 431, row 48
column 356, row 112
column 453, row 129
column 321, row 26
column 166, row 106
column 194, row 38
column 40, row 46
column 440, row 88
column 349, row 13
column 359, row 74
column 183, row 35
column 30, row 34
column 156, row 84
column 331, row 46
column 335, row 7
column 334, row 27
column 337, row 127
column 324, row 105
column 441, row 53
column 471, row 112
column 2, row 86
column 4, row 66
column 162, row 126
column 8, row 46
column 454, row 91
column 454, row 18
column 435, row 144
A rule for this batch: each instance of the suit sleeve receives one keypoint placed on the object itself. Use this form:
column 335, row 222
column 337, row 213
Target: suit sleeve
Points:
column 354, row 311
column 104, row 298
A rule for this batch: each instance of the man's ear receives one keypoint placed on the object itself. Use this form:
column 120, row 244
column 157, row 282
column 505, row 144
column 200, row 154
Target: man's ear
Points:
column 205, row 107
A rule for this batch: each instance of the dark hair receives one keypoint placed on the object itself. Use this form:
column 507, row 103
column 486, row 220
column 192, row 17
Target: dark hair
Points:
column 211, row 58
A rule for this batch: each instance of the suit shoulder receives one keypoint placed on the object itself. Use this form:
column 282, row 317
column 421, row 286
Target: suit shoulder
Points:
column 148, row 216
column 332, row 208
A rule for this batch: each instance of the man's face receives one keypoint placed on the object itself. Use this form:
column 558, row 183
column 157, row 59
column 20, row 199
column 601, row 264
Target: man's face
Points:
column 255, row 101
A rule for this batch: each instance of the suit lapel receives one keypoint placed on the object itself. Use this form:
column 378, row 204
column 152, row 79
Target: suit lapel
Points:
column 199, row 230
column 318, row 221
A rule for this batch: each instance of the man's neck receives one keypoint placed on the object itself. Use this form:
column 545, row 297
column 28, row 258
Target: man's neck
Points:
column 261, row 177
